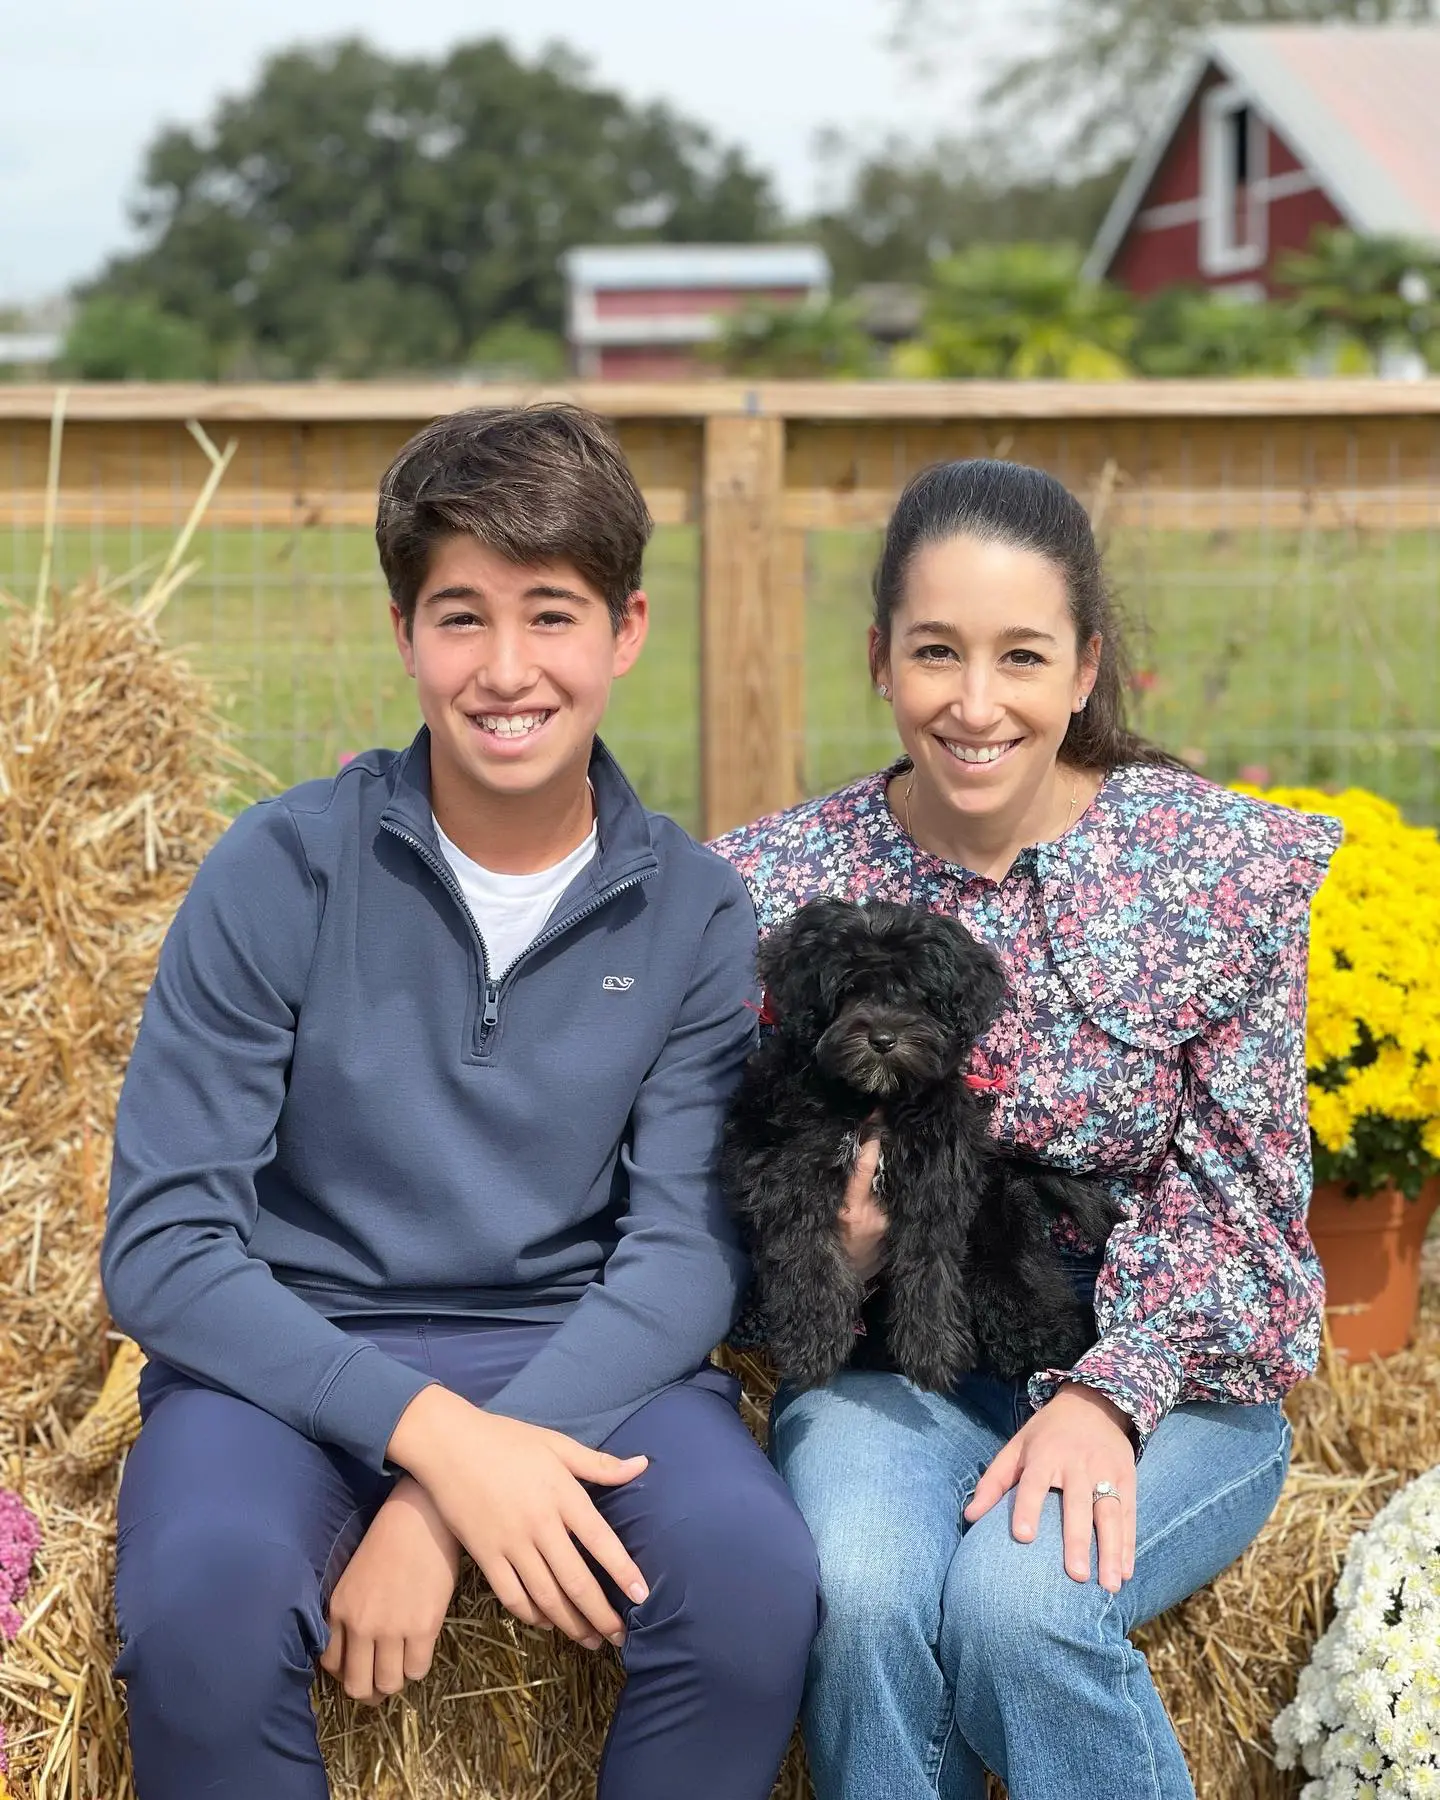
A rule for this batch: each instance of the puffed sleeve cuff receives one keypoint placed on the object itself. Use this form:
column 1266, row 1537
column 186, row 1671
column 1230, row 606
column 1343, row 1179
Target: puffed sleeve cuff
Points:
column 1133, row 1367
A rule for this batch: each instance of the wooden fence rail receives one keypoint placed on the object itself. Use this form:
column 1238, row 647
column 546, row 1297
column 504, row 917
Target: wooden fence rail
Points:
column 757, row 467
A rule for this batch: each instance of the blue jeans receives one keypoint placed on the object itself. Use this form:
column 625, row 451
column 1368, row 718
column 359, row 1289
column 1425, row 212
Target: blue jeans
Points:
column 233, row 1530
column 950, row 1648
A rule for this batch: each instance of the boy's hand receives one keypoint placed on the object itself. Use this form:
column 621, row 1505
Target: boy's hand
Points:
column 387, row 1608
column 512, row 1494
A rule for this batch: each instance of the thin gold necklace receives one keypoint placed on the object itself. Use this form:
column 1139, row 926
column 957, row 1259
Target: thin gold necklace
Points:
column 910, row 788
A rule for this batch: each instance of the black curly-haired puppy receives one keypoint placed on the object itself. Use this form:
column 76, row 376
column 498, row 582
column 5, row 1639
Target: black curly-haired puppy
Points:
column 876, row 1010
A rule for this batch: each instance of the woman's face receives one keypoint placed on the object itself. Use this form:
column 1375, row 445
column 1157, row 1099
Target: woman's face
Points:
column 984, row 672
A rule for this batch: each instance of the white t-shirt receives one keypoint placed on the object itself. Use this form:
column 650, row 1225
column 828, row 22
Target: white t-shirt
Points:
column 511, row 910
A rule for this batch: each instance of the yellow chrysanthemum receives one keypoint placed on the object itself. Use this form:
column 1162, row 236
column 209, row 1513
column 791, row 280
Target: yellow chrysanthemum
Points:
column 1329, row 1119
column 1374, row 970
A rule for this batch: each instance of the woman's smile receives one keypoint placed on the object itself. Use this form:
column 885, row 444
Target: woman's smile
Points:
column 978, row 756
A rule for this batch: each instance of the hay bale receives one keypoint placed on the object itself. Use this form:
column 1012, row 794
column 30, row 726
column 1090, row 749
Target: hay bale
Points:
column 1225, row 1661
column 112, row 770
column 1228, row 1659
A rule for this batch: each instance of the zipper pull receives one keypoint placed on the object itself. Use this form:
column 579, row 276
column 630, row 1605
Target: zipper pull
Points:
column 492, row 1006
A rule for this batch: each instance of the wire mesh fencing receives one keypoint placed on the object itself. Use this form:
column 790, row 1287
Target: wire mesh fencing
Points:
column 288, row 612
column 1280, row 577
column 1279, row 594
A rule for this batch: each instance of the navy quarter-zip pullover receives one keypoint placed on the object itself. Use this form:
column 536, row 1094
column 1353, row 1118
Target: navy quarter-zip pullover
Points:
column 333, row 1111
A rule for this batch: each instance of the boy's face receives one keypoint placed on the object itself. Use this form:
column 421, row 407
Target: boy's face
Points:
column 513, row 666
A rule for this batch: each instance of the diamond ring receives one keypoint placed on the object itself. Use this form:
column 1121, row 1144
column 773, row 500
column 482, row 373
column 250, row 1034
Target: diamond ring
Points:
column 1106, row 1490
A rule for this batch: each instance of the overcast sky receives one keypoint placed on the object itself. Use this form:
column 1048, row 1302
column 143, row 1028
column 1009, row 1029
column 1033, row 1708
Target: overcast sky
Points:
column 84, row 85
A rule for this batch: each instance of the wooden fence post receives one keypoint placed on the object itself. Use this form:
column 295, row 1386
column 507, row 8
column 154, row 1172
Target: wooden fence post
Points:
column 752, row 627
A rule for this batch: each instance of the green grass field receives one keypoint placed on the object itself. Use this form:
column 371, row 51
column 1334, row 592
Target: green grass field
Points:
column 1313, row 657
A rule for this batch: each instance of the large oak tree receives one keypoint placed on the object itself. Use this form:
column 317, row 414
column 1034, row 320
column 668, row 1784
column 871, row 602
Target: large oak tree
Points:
column 356, row 213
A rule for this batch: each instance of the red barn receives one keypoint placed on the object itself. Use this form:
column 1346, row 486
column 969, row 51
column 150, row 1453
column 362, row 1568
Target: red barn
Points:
column 1273, row 131
column 639, row 312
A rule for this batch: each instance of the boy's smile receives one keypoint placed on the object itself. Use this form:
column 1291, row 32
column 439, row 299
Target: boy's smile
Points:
column 513, row 668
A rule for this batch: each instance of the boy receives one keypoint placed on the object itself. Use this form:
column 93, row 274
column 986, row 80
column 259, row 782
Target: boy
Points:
column 414, row 1202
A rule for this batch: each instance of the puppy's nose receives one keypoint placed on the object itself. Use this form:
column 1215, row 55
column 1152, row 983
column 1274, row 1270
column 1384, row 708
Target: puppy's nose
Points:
column 881, row 1040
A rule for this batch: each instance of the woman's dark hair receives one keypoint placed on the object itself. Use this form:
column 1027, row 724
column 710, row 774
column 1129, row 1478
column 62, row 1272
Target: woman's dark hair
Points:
column 1009, row 503
column 538, row 484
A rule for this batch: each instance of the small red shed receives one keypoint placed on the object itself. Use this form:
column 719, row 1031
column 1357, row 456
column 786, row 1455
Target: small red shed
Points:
column 639, row 312
column 1272, row 131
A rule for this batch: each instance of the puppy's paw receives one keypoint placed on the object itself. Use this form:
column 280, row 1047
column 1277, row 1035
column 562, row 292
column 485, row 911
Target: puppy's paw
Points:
column 811, row 1331
column 932, row 1354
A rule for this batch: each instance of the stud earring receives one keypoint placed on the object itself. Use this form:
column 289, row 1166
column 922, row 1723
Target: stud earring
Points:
column 1084, row 702
column 882, row 690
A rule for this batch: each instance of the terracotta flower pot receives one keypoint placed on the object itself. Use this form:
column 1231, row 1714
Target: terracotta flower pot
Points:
column 1370, row 1249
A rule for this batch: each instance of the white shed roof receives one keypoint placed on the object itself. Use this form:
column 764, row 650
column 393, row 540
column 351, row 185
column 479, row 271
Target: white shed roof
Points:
column 29, row 346
column 696, row 265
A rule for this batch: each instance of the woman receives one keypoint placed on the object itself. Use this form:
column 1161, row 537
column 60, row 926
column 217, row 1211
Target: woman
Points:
column 985, row 1554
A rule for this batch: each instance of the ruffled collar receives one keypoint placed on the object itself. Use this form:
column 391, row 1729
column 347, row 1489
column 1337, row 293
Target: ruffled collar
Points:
column 1164, row 902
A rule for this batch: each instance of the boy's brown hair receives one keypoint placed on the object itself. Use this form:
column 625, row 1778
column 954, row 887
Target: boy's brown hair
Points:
column 537, row 484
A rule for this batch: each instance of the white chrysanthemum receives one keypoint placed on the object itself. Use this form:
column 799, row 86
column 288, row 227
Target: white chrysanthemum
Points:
column 1424, row 1735
column 1370, row 1601
column 1342, row 1653
column 1366, row 1712
column 1286, row 1737
column 1370, row 1697
column 1388, row 1566
column 1418, row 1738
column 1312, row 1757
column 1397, row 1640
column 1338, row 1750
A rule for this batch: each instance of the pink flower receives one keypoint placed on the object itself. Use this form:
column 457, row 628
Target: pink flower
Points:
column 19, row 1540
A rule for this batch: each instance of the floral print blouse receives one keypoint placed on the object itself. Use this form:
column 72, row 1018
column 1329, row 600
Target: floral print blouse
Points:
column 1156, row 1035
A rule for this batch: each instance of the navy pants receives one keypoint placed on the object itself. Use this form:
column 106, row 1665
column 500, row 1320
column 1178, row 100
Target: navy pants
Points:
column 233, row 1530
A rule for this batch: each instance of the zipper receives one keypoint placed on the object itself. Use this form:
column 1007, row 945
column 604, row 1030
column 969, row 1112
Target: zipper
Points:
column 592, row 906
column 490, row 1016
column 438, row 866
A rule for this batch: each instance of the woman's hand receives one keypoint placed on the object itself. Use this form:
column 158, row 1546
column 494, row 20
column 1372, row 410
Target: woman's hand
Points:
column 388, row 1607
column 862, row 1224
column 1077, row 1439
